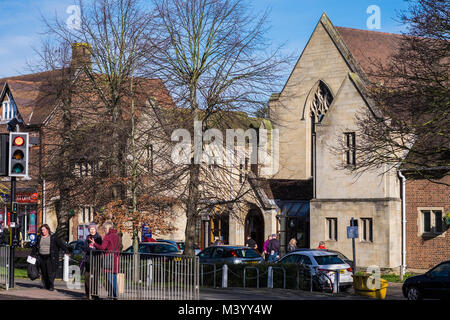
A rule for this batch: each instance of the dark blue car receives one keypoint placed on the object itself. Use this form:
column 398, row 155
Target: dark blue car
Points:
column 434, row 284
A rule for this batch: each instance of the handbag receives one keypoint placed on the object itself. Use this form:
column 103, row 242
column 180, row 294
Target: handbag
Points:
column 32, row 268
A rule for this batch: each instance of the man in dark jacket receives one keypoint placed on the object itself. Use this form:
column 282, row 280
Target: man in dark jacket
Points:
column 89, row 249
column 251, row 243
column 47, row 248
column 273, row 248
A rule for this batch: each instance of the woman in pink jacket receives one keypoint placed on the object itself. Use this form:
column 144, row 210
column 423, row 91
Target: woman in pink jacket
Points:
column 110, row 244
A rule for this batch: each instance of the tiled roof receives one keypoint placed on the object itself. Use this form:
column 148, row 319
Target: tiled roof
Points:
column 370, row 48
column 35, row 100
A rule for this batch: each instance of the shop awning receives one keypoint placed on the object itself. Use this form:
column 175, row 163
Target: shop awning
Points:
column 293, row 208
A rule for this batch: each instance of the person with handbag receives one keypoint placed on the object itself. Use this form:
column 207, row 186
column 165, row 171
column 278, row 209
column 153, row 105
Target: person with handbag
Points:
column 46, row 249
column 110, row 244
column 89, row 250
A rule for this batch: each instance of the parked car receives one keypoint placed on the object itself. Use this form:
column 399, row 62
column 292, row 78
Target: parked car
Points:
column 180, row 245
column 434, row 284
column 321, row 260
column 155, row 248
column 339, row 254
column 230, row 255
column 77, row 246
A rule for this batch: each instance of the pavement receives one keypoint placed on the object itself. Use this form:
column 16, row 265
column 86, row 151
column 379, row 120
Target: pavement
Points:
column 26, row 289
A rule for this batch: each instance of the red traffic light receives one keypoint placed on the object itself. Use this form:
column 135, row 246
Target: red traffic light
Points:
column 18, row 141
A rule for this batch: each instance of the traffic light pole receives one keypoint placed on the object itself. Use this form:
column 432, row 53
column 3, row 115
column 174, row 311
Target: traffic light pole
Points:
column 12, row 232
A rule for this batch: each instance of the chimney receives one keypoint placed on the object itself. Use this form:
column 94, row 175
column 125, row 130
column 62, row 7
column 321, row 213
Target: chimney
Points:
column 81, row 56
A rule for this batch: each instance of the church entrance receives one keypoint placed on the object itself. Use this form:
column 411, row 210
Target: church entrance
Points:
column 254, row 226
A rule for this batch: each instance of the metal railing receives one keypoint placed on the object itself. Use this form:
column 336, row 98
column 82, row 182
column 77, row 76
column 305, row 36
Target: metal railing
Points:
column 5, row 252
column 135, row 276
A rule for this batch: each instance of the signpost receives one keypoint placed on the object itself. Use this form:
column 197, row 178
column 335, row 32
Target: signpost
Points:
column 352, row 233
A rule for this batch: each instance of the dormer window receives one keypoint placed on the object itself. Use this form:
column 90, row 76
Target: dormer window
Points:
column 8, row 110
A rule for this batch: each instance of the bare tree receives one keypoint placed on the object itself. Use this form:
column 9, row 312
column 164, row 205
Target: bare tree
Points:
column 103, row 98
column 409, row 123
column 216, row 62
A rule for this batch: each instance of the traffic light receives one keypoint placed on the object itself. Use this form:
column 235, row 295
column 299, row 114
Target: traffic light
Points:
column 18, row 154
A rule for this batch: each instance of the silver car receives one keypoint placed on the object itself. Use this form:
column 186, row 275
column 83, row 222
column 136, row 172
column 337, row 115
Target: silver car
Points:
column 322, row 260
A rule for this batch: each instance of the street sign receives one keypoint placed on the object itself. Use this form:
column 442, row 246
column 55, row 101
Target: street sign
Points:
column 352, row 232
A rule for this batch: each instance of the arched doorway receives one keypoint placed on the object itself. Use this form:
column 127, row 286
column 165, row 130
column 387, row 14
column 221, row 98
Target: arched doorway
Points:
column 254, row 226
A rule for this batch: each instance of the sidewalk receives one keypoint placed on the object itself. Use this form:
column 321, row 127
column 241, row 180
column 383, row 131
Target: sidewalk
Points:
column 25, row 289
column 31, row 290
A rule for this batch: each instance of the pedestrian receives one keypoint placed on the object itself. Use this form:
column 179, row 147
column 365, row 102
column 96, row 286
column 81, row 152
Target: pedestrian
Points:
column 321, row 245
column 149, row 239
column 292, row 245
column 46, row 248
column 273, row 248
column 89, row 250
column 251, row 243
column 110, row 244
column 265, row 247
column 217, row 242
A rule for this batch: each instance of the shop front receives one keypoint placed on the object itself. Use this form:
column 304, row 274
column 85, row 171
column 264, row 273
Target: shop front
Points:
column 27, row 205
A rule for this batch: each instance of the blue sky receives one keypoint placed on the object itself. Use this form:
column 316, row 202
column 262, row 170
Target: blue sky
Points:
column 291, row 22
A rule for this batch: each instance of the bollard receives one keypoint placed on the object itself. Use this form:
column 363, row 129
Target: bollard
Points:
column 336, row 281
column 66, row 268
column 225, row 276
column 269, row 277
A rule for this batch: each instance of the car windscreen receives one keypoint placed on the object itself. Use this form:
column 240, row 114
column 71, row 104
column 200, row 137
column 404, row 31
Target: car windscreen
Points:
column 243, row 253
column 324, row 260
column 164, row 248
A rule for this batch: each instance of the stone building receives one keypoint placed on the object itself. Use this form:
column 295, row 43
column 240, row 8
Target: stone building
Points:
column 316, row 112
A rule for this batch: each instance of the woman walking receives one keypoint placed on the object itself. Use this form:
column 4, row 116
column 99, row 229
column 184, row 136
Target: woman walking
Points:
column 292, row 245
column 47, row 248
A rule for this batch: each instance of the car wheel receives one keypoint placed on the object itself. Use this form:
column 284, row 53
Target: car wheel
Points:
column 413, row 293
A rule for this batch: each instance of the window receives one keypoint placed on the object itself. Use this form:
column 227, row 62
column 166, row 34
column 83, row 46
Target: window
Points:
column 350, row 149
column 321, row 102
column 441, row 271
column 86, row 169
column 8, row 110
column 332, row 229
column 305, row 260
column 324, row 260
column 367, row 229
column 293, row 258
column 431, row 221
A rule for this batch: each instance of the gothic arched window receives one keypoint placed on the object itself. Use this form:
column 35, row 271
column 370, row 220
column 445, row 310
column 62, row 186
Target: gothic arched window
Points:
column 321, row 102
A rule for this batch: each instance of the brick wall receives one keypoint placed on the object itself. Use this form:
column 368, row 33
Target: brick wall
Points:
column 425, row 252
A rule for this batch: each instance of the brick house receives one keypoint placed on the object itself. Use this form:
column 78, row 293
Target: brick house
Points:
column 428, row 238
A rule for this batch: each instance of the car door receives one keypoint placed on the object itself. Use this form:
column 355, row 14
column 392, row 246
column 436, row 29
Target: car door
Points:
column 218, row 255
column 205, row 255
column 437, row 284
